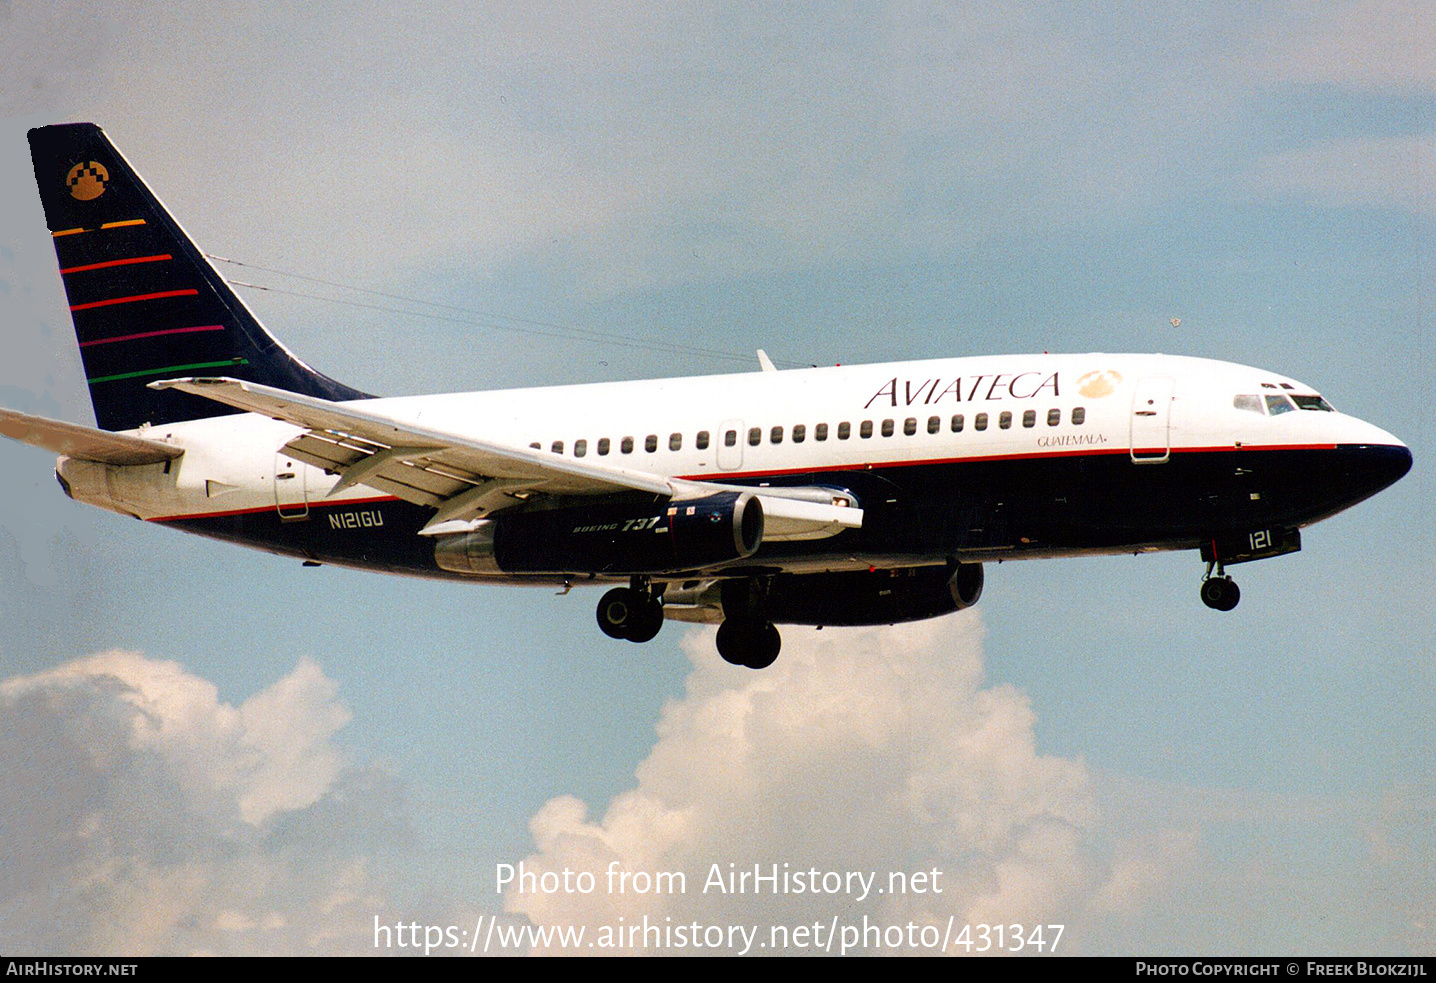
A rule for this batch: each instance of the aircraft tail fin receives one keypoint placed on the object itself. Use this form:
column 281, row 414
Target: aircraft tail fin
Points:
column 145, row 302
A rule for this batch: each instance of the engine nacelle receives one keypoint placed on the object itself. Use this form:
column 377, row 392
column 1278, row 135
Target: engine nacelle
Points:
column 881, row 597
column 668, row 537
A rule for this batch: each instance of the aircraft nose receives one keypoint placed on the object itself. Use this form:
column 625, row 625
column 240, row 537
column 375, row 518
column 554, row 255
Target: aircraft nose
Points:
column 1385, row 464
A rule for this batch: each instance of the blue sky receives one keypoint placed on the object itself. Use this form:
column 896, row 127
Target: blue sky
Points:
column 834, row 184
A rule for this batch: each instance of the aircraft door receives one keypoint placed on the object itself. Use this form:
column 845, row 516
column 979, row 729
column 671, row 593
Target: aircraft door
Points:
column 291, row 500
column 730, row 445
column 1152, row 420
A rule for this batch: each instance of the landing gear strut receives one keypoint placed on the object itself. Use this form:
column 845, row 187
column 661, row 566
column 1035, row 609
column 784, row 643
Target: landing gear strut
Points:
column 634, row 612
column 1219, row 590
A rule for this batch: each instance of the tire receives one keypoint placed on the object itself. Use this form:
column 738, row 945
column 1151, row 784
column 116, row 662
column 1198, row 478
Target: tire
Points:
column 767, row 644
column 1220, row 593
column 754, row 645
column 645, row 622
column 616, row 611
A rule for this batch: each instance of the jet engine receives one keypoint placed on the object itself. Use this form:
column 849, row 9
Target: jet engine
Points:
column 611, row 539
column 880, row 597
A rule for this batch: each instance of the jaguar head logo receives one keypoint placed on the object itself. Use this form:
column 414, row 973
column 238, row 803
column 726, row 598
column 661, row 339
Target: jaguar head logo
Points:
column 87, row 181
column 1095, row 385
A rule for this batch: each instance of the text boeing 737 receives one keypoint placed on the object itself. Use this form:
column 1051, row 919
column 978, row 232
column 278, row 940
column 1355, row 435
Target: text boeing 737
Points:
column 841, row 496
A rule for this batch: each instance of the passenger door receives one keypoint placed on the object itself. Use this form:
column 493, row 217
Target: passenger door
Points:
column 1151, row 432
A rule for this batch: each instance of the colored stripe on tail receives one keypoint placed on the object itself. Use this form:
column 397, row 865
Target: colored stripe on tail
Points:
column 145, row 301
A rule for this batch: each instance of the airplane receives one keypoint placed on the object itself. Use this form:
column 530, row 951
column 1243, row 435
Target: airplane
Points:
column 851, row 495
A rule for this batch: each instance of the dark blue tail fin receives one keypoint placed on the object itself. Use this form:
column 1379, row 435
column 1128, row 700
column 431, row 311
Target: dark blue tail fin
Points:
column 146, row 303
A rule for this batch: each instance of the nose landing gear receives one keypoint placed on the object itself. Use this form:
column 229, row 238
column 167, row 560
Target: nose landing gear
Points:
column 1219, row 590
column 634, row 612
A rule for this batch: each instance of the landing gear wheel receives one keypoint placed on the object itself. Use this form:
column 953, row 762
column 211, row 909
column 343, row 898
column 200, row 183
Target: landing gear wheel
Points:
column 616, row 611
column 647, row 619
column 1220, row 593
column 748, row 643
column 632, row 614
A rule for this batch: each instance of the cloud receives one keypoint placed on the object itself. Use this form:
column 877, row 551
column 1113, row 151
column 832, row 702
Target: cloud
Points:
column 143, row 815
column 1390, row 172
column 1368, row 44
column 867, row 750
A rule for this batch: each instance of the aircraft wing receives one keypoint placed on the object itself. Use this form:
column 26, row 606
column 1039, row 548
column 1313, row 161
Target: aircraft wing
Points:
column 464, row 477
column 76, row 441
column 459, row 475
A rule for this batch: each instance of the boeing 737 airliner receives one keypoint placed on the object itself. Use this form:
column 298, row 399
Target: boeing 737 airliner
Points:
column 857, row 495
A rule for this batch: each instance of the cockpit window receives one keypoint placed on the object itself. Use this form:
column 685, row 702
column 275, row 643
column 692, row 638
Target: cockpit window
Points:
column 1312, row 403
column 1277, row 405
column 1252, row 404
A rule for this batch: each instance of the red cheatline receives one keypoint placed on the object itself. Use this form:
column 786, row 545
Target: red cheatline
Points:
column 118, row 262
column 130, row 300
column 152, row 334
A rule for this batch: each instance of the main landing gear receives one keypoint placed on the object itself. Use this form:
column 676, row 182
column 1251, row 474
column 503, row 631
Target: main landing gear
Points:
column 751, row 643
column 634, row 612
column 745, row 638
column 1219, row 590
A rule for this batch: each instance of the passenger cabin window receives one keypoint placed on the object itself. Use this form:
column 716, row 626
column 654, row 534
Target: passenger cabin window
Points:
column 776, row 435
column 580, row 448
column 845, row 430
column 800, row 433
column 887, row 428
column 1005, row 420
column 1054, row 417
column 909, row 426
column 603, row 446
column 820, row 432
column 755, row 436
column 627, row 445
column 934, row 424
column 1250, row 403
column 701, row 441
column 979, row 422
column 675, row 441
column 866, row 430
column 1277, row 405
column 730, row 439
column 1029, row 418
column 957, row 423
column 1079, row 415
column 1313, row 403
column 650, row 443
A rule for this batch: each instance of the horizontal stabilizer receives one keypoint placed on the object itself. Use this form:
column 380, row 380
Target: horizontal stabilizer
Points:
column 84, row 443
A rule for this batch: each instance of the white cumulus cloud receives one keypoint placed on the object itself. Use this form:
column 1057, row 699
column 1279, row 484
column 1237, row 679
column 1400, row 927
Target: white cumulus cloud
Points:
column 143, row 815
column 873, row 750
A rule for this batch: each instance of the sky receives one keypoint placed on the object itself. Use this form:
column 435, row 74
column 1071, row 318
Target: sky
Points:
column 207, row 749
